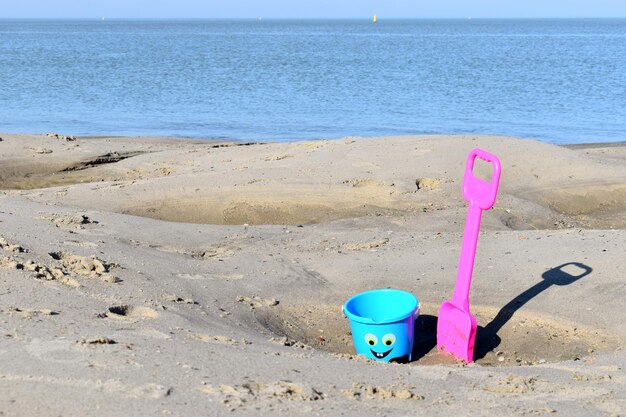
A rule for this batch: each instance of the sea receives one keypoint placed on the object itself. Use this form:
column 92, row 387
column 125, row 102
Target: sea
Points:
column 557, row 80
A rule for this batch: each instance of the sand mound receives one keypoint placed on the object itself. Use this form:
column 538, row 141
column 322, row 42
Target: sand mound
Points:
column 205, row 183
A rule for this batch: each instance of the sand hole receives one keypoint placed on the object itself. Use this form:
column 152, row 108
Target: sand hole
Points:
column 127, row 312
column 502, row 339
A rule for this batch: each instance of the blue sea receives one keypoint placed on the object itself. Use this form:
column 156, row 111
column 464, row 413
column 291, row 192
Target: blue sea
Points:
column 560, row 81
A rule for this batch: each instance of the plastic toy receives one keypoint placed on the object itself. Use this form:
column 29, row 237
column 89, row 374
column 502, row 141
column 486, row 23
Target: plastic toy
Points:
column 456, row 326
column 382, row 323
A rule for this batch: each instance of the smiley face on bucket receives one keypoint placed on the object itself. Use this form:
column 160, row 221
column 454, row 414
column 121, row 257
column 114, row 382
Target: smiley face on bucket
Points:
column 386, row 342
column 382, row 347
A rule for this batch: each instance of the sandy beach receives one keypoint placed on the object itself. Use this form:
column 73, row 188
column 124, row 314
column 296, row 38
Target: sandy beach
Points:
column 156, row 276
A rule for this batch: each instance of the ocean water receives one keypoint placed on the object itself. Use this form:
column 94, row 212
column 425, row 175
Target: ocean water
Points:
column 560, row 81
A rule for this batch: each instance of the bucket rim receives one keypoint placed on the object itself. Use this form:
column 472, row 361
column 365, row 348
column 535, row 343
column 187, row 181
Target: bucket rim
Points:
column 366, row 320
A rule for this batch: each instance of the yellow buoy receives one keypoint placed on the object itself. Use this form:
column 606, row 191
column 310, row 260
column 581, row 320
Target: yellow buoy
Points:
column 374, row 19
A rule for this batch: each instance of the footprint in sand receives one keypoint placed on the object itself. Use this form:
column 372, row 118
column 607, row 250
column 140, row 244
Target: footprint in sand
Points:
column 211, row 252
column 359, row 246
column 210, row 276
column 249, row 393
column 219, row 339
column 129, row 313
column 256, row 301
column 40, row 150
column 80, row 244
column 277, row 157
column 218, row 252
column 72, row 222
column 318, row 144
column 29, row 312
column 86, row 266
column 362, row 182
column 98, row 341
column 370, row 392
column 177, row 299
column 40, row 271
column 430, row 183
column 11, row 247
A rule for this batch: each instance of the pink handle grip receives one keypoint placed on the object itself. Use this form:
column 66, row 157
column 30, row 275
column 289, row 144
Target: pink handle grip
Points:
column 476, row 190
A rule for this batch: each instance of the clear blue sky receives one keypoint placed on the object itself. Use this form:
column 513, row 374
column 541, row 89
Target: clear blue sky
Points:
column 311, row 8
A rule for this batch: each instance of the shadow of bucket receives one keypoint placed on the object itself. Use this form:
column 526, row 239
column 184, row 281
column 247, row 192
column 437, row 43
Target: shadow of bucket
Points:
column 382, row 323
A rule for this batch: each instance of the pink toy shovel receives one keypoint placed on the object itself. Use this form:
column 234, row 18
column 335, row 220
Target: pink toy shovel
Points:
column 456, row 326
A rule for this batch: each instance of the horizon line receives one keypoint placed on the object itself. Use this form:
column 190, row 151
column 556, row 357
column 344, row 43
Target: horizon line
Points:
column 98, row 17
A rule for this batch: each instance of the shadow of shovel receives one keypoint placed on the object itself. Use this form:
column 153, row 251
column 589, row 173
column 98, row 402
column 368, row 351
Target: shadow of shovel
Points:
column 487, row 338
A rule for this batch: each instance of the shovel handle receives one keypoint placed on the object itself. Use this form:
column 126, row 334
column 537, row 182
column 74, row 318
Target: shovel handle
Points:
column 481, row 195
column 475, row 190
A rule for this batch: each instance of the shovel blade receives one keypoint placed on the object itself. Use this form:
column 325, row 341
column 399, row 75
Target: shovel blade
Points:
column 456, row 331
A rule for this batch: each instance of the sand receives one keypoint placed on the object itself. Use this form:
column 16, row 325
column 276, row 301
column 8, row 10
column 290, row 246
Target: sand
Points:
column 154, row 276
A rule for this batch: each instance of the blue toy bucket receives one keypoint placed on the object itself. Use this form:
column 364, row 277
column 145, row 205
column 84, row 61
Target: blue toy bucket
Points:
column 382, row 323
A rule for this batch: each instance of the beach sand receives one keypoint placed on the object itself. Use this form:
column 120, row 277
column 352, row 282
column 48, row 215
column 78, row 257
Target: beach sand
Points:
column 154, row 276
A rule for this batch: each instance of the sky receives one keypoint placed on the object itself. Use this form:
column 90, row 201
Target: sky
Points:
column 309, row 8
